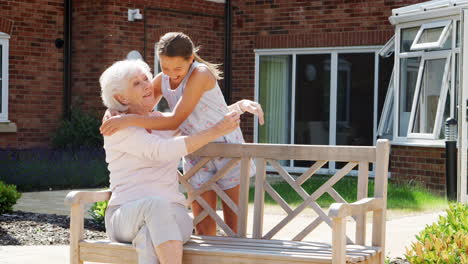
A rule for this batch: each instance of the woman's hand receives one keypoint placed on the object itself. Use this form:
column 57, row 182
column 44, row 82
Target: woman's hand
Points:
column 114, row 124
column 109, row 113
column 229, row 123
column 251, row 107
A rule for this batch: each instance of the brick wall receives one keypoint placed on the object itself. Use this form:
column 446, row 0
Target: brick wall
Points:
column 300, row 24
column 103, row 35
column 419, row 164
column 35, row 69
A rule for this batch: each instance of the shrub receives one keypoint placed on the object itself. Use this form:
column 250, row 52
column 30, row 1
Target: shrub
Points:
column 98, row 212
column 443, row 242
column 8, row 197
column 81, row 130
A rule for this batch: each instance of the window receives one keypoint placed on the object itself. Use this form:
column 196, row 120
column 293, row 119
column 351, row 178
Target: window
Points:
column 312, row 102
column 385, row 129
column 409, row 68
column 432, row 35
column 385, row 97
column 4, row 41
column 425, row 92
column 407, row 36
column 429, row 99
column 319, row 96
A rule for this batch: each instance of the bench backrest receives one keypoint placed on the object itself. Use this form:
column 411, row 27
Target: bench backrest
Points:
column 359, row 157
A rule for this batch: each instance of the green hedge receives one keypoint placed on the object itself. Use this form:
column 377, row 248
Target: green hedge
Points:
column 8, row 197
column 443, row 242
column 82, row 130
column 44, row 169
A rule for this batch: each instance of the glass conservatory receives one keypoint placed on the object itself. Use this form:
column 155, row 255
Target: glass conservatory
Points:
column 427, row 80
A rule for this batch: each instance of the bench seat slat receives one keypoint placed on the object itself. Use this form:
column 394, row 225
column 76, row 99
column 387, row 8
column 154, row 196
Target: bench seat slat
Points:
column 282, row 244
column 223, row 249
column 287, row 253
column 358, row 255
column 299, row 250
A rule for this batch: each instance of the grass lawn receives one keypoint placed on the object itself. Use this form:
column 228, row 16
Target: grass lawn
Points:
column 400, row 197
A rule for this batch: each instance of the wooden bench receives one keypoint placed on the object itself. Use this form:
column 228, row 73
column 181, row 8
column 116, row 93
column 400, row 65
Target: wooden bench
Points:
column 260, row 245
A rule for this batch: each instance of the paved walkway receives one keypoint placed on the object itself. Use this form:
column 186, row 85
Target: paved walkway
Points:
column 401, row 229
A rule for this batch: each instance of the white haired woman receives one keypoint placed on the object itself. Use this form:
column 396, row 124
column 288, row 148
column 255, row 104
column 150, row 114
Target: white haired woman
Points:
column 146, row 207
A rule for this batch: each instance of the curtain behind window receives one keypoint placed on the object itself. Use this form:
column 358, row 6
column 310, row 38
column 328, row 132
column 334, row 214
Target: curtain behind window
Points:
column 275, row 98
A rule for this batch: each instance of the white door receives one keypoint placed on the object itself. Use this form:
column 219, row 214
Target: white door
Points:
column 462, row 114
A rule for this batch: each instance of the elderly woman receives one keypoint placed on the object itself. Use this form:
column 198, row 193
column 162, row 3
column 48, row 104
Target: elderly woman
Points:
column 146, row 207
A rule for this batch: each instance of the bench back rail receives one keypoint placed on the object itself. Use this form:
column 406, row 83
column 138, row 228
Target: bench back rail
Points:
column 355, row 157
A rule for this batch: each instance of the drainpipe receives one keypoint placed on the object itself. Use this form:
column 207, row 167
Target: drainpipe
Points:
column 67, row 32
column 227, row 51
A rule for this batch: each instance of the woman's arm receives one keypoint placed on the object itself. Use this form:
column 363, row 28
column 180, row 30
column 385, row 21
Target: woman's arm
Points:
column 200, row 80
column 138, row 142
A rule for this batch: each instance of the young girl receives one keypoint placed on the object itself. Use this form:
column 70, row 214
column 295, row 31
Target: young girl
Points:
column 190, row 87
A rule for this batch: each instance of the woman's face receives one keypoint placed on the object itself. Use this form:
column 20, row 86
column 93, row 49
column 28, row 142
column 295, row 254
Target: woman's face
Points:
column 139, row 94
column 175, row 67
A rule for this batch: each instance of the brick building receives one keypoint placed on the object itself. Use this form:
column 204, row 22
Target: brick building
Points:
column 314, row 65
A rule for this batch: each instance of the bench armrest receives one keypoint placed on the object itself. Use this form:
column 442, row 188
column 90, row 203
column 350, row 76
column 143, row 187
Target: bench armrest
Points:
column 83, row 197
column 339, row 210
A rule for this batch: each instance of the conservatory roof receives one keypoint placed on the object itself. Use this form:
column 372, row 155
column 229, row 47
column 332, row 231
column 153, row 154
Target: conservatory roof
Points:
column 427, row 10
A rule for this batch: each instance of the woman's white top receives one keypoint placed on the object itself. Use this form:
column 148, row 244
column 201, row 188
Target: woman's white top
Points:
column 143, row 165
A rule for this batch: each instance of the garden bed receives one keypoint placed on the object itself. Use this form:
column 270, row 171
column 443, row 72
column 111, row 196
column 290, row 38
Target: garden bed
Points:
column 24, row 228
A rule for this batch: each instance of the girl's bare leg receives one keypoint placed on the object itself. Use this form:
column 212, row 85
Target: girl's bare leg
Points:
column 207, row 226
column 229, row 216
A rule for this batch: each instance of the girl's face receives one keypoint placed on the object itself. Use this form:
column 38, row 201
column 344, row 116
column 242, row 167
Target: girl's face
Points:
column 139, row 94
column 175, row 67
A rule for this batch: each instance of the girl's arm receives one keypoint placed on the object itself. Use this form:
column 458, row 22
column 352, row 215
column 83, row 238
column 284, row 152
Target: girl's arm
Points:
column 246, row 105
column 227, row 125
column 200, row 80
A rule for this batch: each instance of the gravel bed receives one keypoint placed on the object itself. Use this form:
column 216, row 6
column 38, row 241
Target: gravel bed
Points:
column 24, row 228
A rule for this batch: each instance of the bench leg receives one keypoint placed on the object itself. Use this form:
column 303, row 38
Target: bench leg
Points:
column 76, row 232
column 339, row 241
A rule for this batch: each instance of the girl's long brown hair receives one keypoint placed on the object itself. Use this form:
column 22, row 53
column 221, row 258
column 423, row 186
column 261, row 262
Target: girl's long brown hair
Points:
column 177, row 44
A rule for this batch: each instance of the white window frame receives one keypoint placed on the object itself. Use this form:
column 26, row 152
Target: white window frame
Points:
column 4, row 42
column 442, row 96
column 447, row 24
column 408, row 141
column 387, row 113
column 334, row 52
column 462, row 195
